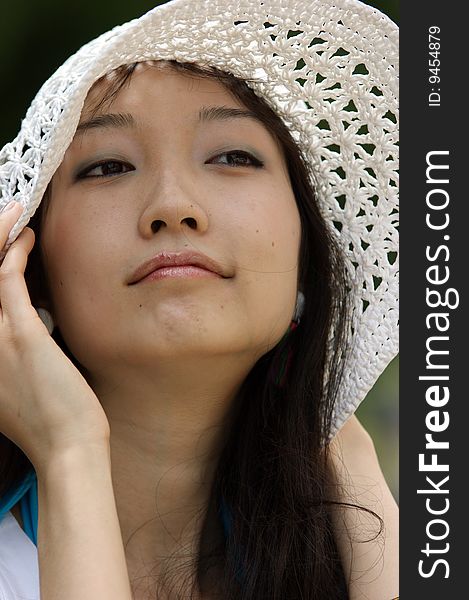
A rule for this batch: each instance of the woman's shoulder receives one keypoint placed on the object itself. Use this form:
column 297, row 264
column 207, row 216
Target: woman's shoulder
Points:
column 19, row 570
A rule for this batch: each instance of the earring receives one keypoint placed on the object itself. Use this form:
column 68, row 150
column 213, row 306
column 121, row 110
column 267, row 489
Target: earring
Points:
column 299, row 308
column 281, row 363
column 46, row 318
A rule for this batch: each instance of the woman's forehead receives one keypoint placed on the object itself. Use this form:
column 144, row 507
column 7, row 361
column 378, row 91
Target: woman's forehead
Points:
column 131, row 86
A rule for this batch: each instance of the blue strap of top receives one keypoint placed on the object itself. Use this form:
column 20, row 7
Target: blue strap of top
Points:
column 227, row 526
column 225, row 517
column 26, row 493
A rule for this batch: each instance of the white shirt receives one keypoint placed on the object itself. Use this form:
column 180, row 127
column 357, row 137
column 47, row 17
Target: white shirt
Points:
column 19, row 567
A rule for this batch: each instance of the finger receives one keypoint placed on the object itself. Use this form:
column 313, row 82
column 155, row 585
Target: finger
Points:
column 8, row 217
column 14, row 296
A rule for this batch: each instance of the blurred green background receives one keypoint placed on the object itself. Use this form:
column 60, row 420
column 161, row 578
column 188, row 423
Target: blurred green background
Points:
column 37, row 36
column 379, row 413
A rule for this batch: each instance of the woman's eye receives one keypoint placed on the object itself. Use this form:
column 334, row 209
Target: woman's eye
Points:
column 105, row 168
column 239, row 158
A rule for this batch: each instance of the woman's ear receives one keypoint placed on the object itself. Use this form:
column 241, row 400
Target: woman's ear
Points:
column 299, row 308
column 45, row 311
column 46, row 318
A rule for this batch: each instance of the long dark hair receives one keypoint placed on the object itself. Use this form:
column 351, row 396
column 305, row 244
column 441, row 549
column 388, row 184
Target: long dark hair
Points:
column 272, row 482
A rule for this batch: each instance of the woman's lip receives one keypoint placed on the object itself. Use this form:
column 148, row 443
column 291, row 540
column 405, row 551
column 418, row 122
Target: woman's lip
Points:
column 186, row 271
column 186, row 258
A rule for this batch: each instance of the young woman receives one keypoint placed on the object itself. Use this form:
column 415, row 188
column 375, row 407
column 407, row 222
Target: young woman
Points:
column 217, row 288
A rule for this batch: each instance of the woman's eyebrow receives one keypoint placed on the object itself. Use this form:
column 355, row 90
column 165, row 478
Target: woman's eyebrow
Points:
column 107, row 121
column 226, row 113
column 126, row 120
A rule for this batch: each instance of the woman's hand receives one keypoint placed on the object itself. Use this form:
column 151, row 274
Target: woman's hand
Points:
column 46, row 405
column 370, row 561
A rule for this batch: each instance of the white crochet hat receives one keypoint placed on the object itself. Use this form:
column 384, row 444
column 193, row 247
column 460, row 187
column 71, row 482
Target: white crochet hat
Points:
column 329, row 70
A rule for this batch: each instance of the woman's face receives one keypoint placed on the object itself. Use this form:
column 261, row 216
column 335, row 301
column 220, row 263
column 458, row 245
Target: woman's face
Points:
column 171, row 182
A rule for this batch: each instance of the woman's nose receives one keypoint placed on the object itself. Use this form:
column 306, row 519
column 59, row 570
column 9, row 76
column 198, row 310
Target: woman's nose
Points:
column 173, row 203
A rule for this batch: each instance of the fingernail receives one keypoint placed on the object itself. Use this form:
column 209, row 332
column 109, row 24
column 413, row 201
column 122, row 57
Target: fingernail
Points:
column 9, row 206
